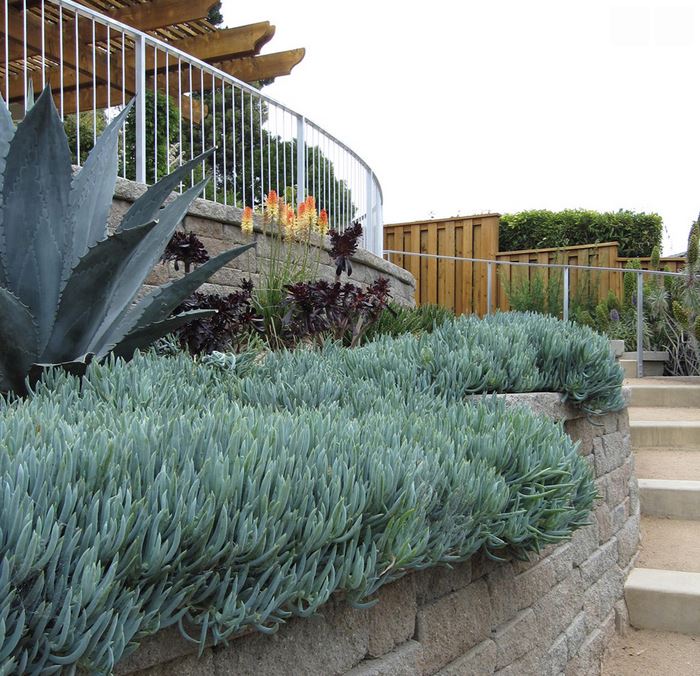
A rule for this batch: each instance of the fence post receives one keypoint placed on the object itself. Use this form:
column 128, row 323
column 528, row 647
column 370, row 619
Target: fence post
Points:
column 489, row 282
column 301, row 160
column 566, row 295
column 140, row 106
column 640, row 324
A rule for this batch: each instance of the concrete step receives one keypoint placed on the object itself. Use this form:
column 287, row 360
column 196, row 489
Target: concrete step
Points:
column 664, row 600
column 673, row 433
column 656, row 394
column 669, row 544
column 674, row 499
column 667, row 463
column 652, row 368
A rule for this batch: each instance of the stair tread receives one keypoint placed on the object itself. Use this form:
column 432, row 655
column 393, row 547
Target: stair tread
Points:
column 668, row 484
column 669, row 544
column 664, row 414
column 662, row 581
column 667, row 463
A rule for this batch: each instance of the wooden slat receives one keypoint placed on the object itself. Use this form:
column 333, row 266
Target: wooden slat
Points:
column 225, row 44
column 52, row 46
column 161, row 13
column 264, row 66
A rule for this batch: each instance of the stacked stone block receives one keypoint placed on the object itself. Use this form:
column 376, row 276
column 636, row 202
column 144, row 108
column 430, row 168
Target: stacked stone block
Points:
column 218, row 227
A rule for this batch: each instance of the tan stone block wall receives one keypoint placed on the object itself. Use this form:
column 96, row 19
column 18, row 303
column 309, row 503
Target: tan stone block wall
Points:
column 553, row 614
column 218, row 227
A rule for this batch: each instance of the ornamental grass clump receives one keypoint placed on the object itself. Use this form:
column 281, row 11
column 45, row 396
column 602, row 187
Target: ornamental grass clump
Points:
column 164, row 492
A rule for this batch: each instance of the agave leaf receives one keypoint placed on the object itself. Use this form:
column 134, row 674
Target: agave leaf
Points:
column 160, row 302
column 7, row 131
column 146, row 207
column 18, row 342
column 92, row 190
column 140, row 338
column 35, row 212
column 139, row 265
column 89, row 291
column 76, row 367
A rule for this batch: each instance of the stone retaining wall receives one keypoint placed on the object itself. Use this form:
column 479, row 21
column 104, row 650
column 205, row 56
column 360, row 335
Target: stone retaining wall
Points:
column 552, row 615
column 218, row 227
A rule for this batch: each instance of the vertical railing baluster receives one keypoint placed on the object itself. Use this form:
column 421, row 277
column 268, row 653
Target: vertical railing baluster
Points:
column 140, row 106
column 640, row 324
column 301, row 160
column 565, row 301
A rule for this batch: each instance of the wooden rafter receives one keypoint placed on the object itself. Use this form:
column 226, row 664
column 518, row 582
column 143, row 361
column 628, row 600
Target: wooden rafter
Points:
column 181, row 23
column 152, row 15
column 264, row 66
column 50, row 45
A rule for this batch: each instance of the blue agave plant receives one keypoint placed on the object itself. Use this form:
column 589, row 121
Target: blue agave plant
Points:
column 68, row 289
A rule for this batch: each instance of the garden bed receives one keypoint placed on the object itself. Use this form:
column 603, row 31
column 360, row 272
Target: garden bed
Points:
column 553, row 614
column 247, row 494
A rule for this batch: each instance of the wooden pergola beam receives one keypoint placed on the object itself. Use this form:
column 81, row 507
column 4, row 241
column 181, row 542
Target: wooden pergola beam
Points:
column 51, row 47
column 264, row 66
column 251, row 69
column 161, row 13
column 227, row 43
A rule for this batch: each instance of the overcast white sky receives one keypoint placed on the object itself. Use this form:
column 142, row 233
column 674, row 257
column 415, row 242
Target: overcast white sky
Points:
column 502, row 105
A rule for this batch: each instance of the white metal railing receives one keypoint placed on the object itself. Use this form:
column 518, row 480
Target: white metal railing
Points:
column 566, row 287
column 184, row 106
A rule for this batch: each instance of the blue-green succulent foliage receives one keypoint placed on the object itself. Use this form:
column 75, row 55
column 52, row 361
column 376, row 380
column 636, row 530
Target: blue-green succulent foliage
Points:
column 165, row 492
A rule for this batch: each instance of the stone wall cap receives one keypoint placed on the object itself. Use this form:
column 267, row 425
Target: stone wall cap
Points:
column 551, row 404
column 130, row 191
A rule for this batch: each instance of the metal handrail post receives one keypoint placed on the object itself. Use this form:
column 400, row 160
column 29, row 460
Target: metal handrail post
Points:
column 566, row 295
column 301, row 159
column 640, row 324
column 140, row 107
column 489, row 283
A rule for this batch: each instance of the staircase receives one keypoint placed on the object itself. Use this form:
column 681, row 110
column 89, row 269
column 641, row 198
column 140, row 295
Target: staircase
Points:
column 663, row 591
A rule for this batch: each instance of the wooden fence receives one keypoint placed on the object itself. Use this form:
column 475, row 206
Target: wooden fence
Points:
column 462, row 286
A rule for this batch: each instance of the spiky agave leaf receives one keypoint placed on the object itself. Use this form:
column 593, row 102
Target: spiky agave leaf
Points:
column 92, row 189
column 35, row 224
column 7, row 131
column 68, row 289
column 18, row 342
column 157, row 305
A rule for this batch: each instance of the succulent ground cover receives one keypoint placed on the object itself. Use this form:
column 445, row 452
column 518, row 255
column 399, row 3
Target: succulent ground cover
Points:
column 163, row 491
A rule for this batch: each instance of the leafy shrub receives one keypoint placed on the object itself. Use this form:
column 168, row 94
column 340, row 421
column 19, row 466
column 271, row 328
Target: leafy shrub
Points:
column 163, row 492
column 636, row 233
column 396, row 320
column 283, row 312
column 185, row 248
column 341, row 311
column 68, row 289
column 672, row 314
column 229, row 329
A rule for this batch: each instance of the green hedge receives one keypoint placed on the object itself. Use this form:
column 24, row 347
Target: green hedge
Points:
column 637, row 233
column 165, row 492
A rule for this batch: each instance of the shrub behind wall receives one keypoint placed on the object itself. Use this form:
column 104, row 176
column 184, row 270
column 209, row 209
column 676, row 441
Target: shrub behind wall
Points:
column 636, row 233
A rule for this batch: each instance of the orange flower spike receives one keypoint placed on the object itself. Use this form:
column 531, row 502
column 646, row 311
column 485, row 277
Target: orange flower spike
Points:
column 302, row 217
column 272, row 206
column 247, row 221
column 323, row 222
column 290, row 222
column 311, row 214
